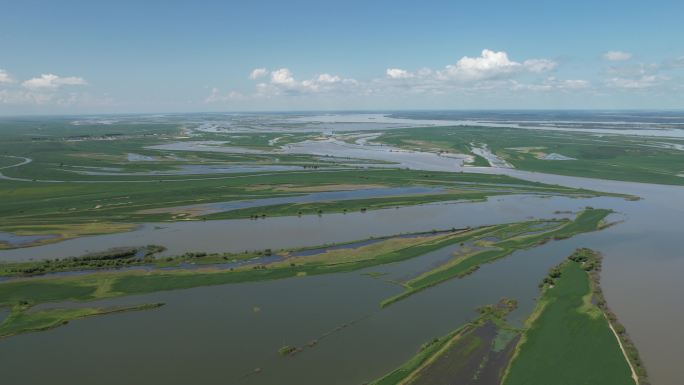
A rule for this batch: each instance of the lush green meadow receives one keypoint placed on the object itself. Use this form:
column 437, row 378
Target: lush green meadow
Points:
column 616, row 157
column 569, row 340
column 24, row 322
column 68, row 207
column 74, row 209
column 59, row 192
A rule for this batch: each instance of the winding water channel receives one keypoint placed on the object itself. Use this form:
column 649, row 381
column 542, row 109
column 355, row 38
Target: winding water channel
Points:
column 231, row 334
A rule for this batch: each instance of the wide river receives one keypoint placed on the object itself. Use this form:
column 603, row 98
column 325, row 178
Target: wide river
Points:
column 231, row 334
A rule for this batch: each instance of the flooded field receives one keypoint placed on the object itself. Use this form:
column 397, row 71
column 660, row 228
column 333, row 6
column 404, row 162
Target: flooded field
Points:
column 250, row 322
column 642, row 261
column 16, row 240
column 338, row 149
column 292, row 232
column 232, row 333
column 353, row 193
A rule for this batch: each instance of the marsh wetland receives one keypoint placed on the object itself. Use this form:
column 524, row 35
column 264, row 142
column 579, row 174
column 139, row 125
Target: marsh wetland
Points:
column 336, row 249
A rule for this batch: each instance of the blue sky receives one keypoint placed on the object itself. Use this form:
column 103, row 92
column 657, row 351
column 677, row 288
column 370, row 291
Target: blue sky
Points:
column 166, row 56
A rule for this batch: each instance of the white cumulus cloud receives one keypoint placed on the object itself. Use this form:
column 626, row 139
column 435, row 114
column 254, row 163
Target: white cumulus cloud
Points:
column 258, row 73
column 327, row 78
column 48, row 89
column 539, row 65
column 396, row 73
column 283, row 81
column 640, row 76
column 641, row 82
column 617, row 56
column 5, row 77
column 489, row 65
column 489, row 73
column 51, row 81
column 283, row 77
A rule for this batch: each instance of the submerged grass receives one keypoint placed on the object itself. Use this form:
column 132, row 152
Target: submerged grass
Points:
column 427, row 351
column 457, row 347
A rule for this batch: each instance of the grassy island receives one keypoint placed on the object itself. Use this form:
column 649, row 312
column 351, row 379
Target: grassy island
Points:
column 570, row 338
column 21, row 320
column 502, row 241
column 201, row 269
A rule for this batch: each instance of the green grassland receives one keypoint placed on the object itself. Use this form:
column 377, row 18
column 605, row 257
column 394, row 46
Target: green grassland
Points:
column 53, row 198
column 566, row 340
column 615, row 157
column 69, row 160
column 508, row 239
column 110, row 259
column 22, row 321
column 122, row 257
column 74, row 209
column 24, row 293
column 114, row 284
column 59, row 149
column 569, row 340
column 343, row 206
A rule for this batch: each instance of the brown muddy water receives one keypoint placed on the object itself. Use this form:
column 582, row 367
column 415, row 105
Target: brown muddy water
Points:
column 290, row 232
column 220, row 335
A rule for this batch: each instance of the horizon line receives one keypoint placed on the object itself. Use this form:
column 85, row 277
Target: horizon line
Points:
column 328, row 111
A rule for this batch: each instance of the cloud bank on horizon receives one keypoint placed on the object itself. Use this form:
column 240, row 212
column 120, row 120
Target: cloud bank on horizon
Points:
column 46, row 89
column 75, row 57
column 490, row 71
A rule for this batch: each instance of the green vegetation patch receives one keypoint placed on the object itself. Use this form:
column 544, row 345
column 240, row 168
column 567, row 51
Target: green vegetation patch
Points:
column 617, row 157
column 77, row 202
column 110, row 259
column 94, row 285
column 73, row 209
column 569, row 339
column 107, row 284
column 510, row 238
column 23, row 320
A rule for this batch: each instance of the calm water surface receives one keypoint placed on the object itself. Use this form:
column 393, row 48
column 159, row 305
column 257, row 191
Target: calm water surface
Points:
column 220, row 335
column 289, row 232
